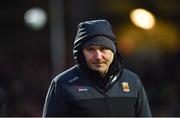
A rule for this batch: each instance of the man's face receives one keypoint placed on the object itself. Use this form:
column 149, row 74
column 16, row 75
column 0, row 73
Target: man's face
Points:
column 98, row 58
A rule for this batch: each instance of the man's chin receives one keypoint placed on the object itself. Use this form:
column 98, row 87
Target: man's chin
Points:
column 99, row 70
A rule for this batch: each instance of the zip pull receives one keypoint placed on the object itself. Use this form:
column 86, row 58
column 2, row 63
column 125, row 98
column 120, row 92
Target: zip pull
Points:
column 111, row 80
column 114, row 79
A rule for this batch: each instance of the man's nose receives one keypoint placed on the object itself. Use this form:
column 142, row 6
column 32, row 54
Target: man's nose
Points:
column 98, row 54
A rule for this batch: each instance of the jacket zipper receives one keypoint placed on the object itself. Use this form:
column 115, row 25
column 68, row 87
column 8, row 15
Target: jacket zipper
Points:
column 107, row 103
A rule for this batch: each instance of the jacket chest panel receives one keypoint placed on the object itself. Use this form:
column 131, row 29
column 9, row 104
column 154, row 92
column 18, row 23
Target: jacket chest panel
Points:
column 84, row 100
column 80, row 92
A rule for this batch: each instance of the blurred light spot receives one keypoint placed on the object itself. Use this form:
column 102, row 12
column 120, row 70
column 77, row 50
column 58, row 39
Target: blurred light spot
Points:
column 35, row 18
column 127, row 45
column 142, row 18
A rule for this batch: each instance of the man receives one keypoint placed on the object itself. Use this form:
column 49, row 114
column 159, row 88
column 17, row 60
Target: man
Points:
column 97, row 85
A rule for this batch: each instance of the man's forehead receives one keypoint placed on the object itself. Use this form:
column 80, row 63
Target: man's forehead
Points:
column 95, row 46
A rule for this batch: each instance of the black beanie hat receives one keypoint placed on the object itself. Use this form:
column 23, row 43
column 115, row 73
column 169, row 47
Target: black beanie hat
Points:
column 95, row 32
column 103, row 41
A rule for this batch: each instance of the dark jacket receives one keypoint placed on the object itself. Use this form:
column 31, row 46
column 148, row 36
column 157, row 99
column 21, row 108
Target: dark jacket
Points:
column 80, row 91
column 71, row 94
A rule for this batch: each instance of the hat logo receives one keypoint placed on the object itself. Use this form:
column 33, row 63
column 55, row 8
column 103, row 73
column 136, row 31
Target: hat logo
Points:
column 125, row 87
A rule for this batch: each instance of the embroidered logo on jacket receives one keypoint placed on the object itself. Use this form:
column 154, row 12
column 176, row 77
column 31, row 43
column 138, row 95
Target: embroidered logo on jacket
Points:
column 125, row 87
column 81, row 88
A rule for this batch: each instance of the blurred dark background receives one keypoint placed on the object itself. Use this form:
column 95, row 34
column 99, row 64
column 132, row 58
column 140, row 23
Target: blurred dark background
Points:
column 31, row 57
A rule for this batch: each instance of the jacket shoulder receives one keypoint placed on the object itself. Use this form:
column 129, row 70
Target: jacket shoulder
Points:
column 131, row 77
column 67, row 75
column 130, row 74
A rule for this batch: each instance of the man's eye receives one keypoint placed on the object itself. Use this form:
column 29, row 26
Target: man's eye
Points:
column 104, row 48
column 89, row 49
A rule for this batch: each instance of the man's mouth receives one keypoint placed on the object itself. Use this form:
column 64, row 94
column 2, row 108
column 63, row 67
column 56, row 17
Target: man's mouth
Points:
column 98, row 63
